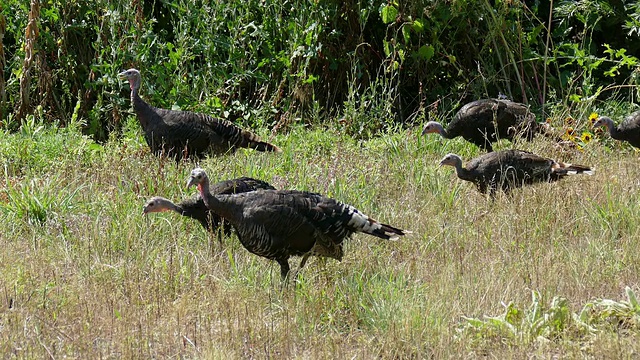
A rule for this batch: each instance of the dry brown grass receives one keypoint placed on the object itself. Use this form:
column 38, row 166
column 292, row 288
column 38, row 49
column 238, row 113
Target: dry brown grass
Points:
column 97, row 280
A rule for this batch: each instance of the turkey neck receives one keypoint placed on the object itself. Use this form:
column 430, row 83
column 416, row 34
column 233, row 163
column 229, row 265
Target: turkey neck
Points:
column 171, row 206
column 443, row 132
column 214, row 203
column 139, row 106
column 613, row 130
column 462, row 172
column 176, row 208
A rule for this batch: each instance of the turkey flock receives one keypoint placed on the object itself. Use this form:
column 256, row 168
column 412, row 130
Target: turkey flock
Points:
column 278, row 224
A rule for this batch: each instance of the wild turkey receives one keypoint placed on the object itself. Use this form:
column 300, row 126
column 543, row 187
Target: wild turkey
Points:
column 196, row 209
column 184, row 133
column 476, row 123
column 278, row 224
column 511, row 169
column 628, row 130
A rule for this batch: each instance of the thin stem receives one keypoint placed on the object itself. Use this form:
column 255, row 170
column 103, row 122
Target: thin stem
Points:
column 546, row 56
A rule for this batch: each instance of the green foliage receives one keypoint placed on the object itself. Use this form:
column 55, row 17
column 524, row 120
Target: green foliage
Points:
column 38, row 147
column 540, row 323
column 620, row 61
column 37, row 200
column 270, row 64
column 632, row 23
column 583, row 67
column 621, row 315
column 368, row 111
column 519, row 326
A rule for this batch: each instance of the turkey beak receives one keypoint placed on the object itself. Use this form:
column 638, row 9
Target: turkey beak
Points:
column 144, row 215
column 191, row 182
column 123, row 75
column 424, row 131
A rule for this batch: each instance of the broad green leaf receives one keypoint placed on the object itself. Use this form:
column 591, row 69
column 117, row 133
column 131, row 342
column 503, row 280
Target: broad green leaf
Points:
column 633, row 301
column 575, row 98
column 406, row 34
column 426, row 52
column 387, row 47
column 418, row 26
column 388, row 14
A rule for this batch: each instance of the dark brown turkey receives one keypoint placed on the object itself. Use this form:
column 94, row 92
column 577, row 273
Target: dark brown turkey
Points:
column 476, row 122
column 278, row 224
column 508, row 169
column 628, row 130
column 184, row 133
column 196, row 209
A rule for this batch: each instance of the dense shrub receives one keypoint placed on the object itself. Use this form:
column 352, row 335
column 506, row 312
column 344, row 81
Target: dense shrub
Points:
column 270, row 63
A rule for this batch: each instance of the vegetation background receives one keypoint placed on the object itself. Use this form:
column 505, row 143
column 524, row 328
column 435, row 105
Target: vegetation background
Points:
column 370, row 64
column 342, row 86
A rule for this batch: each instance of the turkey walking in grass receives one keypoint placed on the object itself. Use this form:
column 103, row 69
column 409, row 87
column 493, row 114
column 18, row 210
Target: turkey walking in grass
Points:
column 485, row 121
column 511, row 169
column 196, row 209
column 278, row 224
column 184, row 133
column 628, row 130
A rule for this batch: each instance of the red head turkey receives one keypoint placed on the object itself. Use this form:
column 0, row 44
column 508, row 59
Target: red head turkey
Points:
column 485, row 121
column 184, row 133
column 511, row 169
column 278, row 224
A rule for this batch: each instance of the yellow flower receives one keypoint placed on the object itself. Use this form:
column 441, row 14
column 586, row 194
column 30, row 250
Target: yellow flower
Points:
column 548, row 121
column 569, row 134
column 593, row 117
column 586, row 137
column 568, row 120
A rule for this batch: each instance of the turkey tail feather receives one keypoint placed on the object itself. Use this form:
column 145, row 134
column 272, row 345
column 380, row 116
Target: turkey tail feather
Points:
column 363, row 223
column 248, row 140
column 579, row 169
column 570, row 169
column 389, row 232
column 262, row 146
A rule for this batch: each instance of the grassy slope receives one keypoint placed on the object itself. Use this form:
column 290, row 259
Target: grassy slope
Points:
column 98, row 279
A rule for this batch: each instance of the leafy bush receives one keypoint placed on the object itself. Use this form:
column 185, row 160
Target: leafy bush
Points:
column 272, row 63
